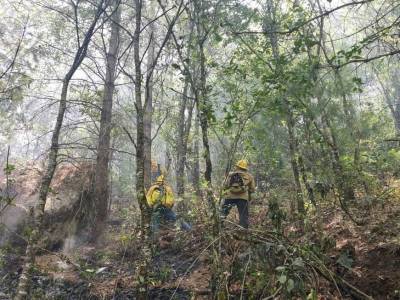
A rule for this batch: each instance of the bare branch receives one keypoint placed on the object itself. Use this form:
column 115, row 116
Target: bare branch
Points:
column 129, row 136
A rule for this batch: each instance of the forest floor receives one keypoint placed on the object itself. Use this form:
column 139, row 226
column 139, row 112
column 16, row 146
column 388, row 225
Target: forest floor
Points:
column 366, row 256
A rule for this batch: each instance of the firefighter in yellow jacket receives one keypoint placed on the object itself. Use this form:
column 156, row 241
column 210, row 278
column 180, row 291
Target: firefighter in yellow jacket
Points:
column 160, row 198
column 238, row 187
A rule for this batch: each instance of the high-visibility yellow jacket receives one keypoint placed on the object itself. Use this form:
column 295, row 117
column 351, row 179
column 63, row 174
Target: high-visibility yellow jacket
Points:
column 249, row 186
column 160, row 194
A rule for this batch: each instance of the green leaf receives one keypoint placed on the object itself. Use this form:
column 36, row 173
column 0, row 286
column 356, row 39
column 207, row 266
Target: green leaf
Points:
column 298, row 262
column 9, row 168
column 282, row 279
column 280, row 268
column 217, row 37
column 312, row 295
column 90, row 270
column 290, row 285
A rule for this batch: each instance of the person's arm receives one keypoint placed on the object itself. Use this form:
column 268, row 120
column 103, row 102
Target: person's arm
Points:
column 252, row 184
column 169, row 197
column 152, row 196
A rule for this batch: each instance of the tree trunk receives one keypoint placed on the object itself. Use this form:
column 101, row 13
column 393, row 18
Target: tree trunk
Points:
column 345, row 188
column 148, row 110
column 396, row 100
column 180, row 145
column 392, row 100
column 145, row 250
column 294, row 156
column 24, row 283
column 204, row 111
column 184, row 126
column 100, row 195
column 196, row 158
column 270, row 28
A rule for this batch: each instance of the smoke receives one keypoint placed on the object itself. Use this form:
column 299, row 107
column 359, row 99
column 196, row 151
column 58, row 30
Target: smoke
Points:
column 75, row 238
column 11, row 221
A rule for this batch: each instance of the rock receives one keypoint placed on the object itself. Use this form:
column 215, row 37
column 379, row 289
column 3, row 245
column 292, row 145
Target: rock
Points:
column 69, row 186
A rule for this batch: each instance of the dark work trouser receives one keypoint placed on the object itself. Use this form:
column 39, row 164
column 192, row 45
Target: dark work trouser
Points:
column 168, row 215
column 243, row 208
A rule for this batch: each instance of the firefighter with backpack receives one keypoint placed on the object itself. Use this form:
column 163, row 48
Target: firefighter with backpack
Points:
column 160, row 198
column 238, row 187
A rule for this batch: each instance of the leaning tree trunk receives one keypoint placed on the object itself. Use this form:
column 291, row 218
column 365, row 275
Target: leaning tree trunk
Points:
column 100, row 183
column 24, row 282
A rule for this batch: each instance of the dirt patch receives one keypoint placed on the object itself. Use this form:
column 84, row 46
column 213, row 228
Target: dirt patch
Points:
column 380, row 272
column 57, row 268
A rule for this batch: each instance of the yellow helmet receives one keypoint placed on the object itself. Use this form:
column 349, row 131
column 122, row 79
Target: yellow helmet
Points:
column 160, row 179
column 243, row 164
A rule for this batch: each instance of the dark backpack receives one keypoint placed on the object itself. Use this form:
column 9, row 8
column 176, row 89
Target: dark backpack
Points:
column 236, row 184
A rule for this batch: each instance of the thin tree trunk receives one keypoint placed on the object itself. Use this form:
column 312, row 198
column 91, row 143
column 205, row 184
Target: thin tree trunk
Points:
column 304, row 177
column 346, row 192
column 196, row 158
column 145, row 250
column 184, row 123
column 203, row 108
column 184, row 126
column 29, row 260
column 396, row 100
column 271, row 30
column 180, row 144
column 392, row 98
column 343, row 183
column 101, row 193
column 294, row 156
column 148, row 110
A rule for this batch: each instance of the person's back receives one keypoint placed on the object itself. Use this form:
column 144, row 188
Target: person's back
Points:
column 160, row 198
column 238, row 187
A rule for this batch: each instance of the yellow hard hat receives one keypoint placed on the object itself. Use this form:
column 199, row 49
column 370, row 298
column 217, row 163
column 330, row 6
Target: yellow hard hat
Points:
column 243, row 164
column 160, row 179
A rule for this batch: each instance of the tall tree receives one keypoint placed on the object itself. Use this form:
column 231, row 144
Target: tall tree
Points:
column 80, row 54
column 148, row 109
column 271, row 28
column 101, row 182
column 143, row 134
column 186, row 106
